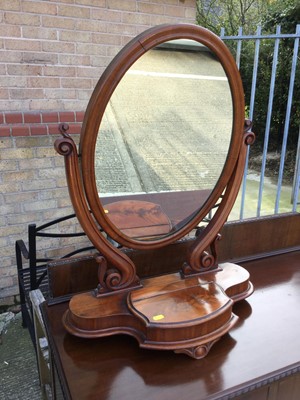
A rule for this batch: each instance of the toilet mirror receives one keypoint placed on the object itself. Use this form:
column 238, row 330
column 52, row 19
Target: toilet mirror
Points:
column 160, row 138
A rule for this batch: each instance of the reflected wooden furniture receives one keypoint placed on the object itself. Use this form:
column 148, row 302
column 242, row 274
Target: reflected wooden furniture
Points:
column 176, row 205
column 138, row 219
column 258, row 360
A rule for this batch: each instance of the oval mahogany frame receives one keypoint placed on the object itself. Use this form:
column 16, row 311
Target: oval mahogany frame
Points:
column 101, row 96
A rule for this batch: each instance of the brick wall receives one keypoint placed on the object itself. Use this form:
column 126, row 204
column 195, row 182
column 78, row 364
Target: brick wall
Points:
column 53, row 52
column 32, row 190
column 51, row 55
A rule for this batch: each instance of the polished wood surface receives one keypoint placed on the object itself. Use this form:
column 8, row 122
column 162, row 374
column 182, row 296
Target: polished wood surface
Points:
column 258, row 237
column 79, row 274
column 167, row 312
column 71, row 275
column 264, row 345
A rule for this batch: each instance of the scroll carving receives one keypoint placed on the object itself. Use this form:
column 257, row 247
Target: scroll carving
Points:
column 125, row 273
column 207, row 260
column 109, row 278
column 198, row 259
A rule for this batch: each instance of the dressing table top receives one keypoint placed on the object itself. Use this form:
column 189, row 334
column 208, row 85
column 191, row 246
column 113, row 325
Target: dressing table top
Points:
column 257, row 351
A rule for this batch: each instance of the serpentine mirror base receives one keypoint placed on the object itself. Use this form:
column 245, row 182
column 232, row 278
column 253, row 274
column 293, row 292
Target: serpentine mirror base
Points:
column 167, row 313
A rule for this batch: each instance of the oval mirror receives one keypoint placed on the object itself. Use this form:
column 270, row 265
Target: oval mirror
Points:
column 160, row 138
column 167, row 119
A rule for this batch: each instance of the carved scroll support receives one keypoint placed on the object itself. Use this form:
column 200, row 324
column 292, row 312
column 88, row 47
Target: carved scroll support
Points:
column 124, row 273
column 199, row 260
column 208, row 260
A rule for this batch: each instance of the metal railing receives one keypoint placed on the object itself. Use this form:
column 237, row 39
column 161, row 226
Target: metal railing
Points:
column 236, row 43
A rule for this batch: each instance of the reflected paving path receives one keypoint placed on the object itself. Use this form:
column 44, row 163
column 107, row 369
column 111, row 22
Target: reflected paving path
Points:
column 167, row 126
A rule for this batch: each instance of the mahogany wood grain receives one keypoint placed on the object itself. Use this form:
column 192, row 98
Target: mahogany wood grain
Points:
column 263, row 347
column 257, row 237
column 71, row 275
column 79, row 274
column 167, row 312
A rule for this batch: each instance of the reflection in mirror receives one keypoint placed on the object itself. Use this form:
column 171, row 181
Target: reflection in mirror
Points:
column 166, row 128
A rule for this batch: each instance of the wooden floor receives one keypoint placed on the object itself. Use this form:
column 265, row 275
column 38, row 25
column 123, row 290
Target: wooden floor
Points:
column 263, row 347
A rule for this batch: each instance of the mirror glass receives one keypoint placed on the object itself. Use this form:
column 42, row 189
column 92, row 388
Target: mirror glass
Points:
column 166, row 131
